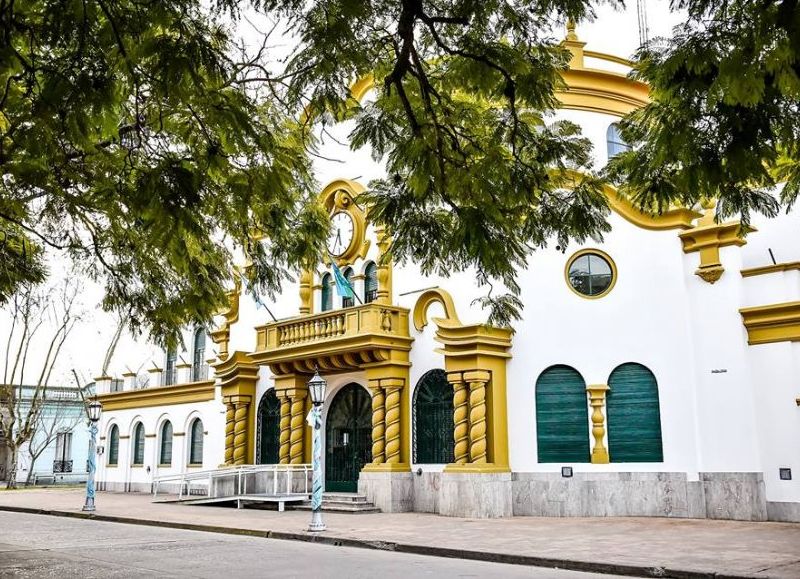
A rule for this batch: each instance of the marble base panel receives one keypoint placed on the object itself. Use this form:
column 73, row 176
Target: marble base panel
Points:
column 783, row 512
column 391, row 492
column 475, row 495
column 737, row 496
column 427, row 486
column 131, row 487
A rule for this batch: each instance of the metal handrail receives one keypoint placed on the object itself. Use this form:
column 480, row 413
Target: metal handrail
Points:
column 211, row 476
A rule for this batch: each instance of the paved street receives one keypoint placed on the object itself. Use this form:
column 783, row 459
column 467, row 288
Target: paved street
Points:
column 45, row 546
column 679, row 546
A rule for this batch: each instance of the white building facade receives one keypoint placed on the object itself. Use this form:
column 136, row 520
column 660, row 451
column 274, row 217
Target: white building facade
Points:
column 655, row 373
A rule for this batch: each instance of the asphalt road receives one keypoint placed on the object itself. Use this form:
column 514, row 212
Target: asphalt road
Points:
column 46, row 546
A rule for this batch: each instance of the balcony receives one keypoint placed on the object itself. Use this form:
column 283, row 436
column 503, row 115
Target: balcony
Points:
column 338, row 340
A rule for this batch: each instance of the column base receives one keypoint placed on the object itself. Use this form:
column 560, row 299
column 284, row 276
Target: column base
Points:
column 476, row 494
column 486, row 467
column 386, row 467
column 390, row 491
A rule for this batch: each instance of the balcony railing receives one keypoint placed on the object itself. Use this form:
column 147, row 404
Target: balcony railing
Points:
column 371, row 318
column 62, row 466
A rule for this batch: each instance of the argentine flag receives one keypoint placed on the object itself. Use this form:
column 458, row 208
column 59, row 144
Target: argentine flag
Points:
column 342, row 285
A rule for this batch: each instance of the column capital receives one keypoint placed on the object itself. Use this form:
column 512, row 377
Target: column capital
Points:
column 597, row 389
column 477, row 376
column 456, row 377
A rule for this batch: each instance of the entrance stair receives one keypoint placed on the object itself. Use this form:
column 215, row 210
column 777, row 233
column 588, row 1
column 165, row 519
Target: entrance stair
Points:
column 353, row 503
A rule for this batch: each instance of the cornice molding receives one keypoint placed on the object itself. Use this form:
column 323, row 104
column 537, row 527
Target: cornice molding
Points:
column 772, row 323
column 160, row 396
column 772, row 268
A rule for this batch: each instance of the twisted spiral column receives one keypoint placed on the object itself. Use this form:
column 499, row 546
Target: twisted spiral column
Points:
column 392, row 424
column 477, row 416
column 460, row 417
column 240, row 432
column 230, row 419
column 378, row 425
column 286, row 428
column 296, row 435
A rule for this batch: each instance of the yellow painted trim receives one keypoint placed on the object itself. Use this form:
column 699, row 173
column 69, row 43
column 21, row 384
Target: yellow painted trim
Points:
column 707, row 239
column 591, row 251
column 609, row 58
column 160, row 396
column 339, row 196
column 772, row 323
column 772, row 268
column 674, row 218
column 429, row 297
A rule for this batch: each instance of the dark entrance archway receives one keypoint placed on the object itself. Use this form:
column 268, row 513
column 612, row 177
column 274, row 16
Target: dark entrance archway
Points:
column 269, row 429
column 348, row 438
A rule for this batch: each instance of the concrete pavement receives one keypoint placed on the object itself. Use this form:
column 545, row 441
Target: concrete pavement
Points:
column 643, row 546
column 44, row 546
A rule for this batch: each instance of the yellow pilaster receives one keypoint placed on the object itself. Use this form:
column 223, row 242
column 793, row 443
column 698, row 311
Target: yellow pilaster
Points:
column 460, row 417
column 305, row 292
column 391, row 443
column 477, row 380
column 378, row 422
column 475, row 360
column 292, row 391
column 230, row 413
column 237, row 376
column 597, row 399
column 384, row 267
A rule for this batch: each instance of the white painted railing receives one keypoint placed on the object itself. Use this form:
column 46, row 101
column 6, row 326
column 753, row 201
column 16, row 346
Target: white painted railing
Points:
column 235, row 480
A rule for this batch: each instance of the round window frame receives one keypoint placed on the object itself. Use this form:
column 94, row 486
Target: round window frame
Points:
column 598, row 253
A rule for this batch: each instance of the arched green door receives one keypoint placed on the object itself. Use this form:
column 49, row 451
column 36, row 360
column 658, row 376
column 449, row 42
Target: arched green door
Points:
column 634, row 415
column 562, row 416
column 269, row 429
column 348, row 438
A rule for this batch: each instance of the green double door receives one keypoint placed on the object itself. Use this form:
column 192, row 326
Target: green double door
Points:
column 348, row 438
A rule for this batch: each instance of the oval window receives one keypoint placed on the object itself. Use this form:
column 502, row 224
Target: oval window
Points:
column 591, row 273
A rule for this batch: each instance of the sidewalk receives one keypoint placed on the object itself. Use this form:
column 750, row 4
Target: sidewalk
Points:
column 630, row 546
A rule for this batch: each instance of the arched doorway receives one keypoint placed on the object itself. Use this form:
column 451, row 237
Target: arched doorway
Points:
column 433, row 419
column 348, row 438
column 269, row 429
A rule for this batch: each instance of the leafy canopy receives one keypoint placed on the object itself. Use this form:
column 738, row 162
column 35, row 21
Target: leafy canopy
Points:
column 724, row 121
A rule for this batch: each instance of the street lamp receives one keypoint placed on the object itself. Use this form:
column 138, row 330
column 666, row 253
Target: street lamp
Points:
column 93, row 409
column 316, row 389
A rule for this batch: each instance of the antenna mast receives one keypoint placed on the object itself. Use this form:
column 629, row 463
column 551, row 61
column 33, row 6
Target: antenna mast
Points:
column 641, row 13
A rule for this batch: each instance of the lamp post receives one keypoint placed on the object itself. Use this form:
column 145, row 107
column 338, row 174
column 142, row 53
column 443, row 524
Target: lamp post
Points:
column 316, row 389
column 93, row 409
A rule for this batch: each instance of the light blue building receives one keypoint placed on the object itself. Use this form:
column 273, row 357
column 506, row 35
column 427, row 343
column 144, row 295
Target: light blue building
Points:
column 57, row 453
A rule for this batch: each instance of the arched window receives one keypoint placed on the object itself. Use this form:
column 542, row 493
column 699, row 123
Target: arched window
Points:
column 138, row 445
column 347, row 302
column 634, row 415
column 199, row 368
column 170, row 376
column 615, row 142
column 165, row 451
column 269, row 429
column 113, row 446
column 562, row 416
column 326, row 301
column 196, row 442
column 433, row 419
column 370, row 283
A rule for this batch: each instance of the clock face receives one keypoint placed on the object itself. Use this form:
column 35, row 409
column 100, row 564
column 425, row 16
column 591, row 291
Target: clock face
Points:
column 341, row 235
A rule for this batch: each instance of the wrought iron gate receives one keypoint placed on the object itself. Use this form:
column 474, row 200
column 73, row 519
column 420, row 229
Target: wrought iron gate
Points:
column 269, row 429
column 433, row 419
column 348, row 438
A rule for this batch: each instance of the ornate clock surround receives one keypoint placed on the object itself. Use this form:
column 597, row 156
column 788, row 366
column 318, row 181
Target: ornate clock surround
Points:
column 340, row 197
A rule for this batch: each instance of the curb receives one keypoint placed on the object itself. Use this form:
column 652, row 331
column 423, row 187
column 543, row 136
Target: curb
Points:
column 467, row 554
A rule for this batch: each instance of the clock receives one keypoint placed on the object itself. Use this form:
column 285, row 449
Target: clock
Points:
column 341, row 235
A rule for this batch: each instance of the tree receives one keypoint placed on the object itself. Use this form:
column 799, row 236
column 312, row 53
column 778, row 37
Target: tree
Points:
column 140, row 140
column 724, row 121
column 22, row 400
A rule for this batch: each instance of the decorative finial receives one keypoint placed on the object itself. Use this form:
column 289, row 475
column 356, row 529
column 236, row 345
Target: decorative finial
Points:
column 571, row 30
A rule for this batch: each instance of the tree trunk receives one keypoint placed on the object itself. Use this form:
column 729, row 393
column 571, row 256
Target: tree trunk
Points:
column 29, row 478
column 12, row 469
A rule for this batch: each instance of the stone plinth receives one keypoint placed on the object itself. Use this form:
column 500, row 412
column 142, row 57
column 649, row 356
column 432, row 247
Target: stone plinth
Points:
column 475, row 495
column 391, row 492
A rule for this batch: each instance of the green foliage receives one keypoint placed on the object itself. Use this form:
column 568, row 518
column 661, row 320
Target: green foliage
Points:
column 476, row 169
column 21, row 263
column 129, row 141
column 724, row 120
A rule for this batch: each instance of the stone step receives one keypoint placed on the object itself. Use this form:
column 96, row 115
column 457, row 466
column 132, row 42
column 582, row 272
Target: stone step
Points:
column 344, row 498
column 352, row 508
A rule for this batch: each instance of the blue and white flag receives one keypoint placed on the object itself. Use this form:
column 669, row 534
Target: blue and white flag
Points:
column 343, row 287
